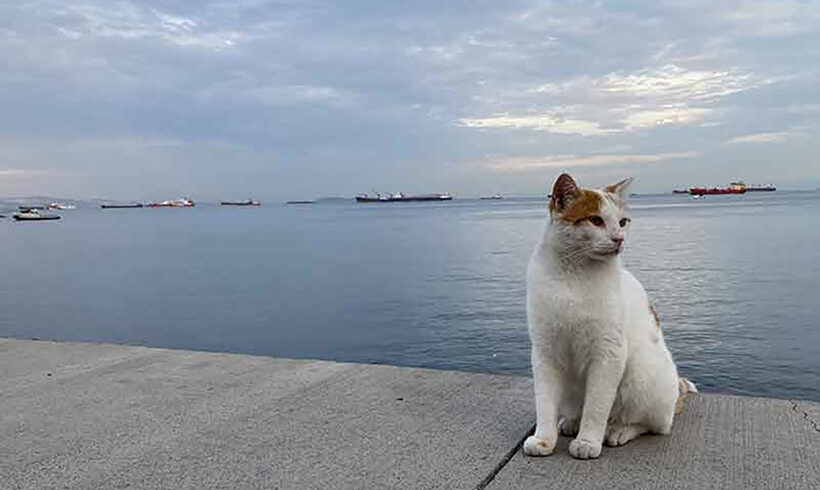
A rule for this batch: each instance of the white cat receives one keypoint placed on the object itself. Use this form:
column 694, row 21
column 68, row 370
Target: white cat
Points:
column 599, row 361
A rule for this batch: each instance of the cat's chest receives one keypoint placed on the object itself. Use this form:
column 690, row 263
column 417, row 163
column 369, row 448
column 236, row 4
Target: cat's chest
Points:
column 581, row 302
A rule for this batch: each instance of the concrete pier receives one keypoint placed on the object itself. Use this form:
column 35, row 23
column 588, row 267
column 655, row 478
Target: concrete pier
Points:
column 78, row 415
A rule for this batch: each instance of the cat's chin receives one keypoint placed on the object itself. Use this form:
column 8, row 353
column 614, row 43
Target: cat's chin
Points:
column 605, row 256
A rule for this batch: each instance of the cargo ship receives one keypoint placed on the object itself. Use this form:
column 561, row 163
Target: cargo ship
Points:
column 249, row 202
column 121, row 206
column 400, row 197
column 734, row 188
column 761, row 188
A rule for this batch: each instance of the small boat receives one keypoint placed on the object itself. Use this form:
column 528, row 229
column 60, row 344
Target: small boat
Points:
column 301, row 202
column 35, row 215
column 400, row 197
column 176, row 203
column 761, row 188
column 249, row 202
column 61, row 207
column 121, row 206
column 680, row 191
column 494, row 197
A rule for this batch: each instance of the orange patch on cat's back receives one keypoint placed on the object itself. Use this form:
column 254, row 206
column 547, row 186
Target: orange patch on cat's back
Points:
column 655, row 316
column 585, row 204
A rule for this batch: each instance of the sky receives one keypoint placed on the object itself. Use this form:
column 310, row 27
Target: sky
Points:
column 280, row 99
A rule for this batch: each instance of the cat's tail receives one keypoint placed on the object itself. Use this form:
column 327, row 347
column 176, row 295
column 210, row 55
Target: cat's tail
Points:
column 684, row 388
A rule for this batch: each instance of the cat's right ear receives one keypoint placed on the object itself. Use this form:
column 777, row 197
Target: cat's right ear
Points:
column 563, row 192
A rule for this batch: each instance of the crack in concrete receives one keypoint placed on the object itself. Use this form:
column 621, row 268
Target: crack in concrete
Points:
column 506, row 459
column 799, row 410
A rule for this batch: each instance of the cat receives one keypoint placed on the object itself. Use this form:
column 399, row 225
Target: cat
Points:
column 599, row 362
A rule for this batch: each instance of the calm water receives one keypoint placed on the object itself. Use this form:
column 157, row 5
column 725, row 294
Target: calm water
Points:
column 735, row 279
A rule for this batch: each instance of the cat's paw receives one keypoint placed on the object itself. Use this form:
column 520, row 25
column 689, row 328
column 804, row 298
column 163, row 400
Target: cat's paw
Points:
column 583, row 449
column 535, row 446
column 618, row 435
column 569, row 427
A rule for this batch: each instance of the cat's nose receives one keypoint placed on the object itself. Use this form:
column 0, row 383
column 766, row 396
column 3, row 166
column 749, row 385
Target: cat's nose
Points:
column 617, row 240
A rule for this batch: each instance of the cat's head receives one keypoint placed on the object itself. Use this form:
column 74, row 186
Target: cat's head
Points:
column 588, row 224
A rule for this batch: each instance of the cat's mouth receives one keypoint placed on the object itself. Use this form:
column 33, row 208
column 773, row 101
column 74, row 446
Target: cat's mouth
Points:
column 612, row 251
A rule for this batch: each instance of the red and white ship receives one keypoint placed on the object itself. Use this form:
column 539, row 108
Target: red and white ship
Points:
column 734, row 188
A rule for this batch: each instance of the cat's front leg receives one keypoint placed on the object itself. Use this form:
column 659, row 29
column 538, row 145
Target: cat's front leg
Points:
column 548, row 385
column 603, row 377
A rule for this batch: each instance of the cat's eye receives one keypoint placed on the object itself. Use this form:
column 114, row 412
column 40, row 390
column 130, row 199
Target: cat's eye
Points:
column 596, row 220
column 624, row 222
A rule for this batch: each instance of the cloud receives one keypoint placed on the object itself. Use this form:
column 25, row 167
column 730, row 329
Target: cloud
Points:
column 758, row 138
column 625, row 101
column 548, row 123
column 802, row 109
column 772, row 19
column 667, row 83
column 567, row 161
column 130, row 21
column 664, row 116
column 300, row 93
column 20, row 172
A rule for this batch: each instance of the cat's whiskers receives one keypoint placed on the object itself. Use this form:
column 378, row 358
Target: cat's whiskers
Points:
column 574, row 258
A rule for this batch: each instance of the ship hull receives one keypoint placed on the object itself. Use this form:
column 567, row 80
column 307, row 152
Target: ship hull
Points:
column 42, row 217
column 697, row 191
column 403, row 199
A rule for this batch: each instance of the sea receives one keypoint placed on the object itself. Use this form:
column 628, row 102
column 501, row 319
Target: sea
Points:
column 735, row 280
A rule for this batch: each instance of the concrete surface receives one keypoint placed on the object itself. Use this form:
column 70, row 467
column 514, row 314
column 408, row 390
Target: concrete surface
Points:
column 105, row 416
column 719, row 442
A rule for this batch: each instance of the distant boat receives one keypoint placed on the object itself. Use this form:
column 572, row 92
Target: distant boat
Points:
column 494, row 197
column 121, row 206
column 761, row 188
column 61, row 207
column 26, row 209
column 34, row 215
column 248, row 202
column 301, row 202
column 680, row 191
column 176, row 203
column 734, row 188
column 400, row 197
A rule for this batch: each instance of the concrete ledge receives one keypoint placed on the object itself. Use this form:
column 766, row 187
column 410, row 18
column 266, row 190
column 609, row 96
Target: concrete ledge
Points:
column 719, row 442
column 106, row 416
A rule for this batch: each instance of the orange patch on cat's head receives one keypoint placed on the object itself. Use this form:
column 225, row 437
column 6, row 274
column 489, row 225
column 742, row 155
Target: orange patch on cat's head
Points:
column 572, row 204
column 583, row 206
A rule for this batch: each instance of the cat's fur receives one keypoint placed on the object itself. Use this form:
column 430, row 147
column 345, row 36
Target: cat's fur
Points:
column 599, row 361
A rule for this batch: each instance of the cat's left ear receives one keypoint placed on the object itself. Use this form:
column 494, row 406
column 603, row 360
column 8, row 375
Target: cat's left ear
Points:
column 621, row 189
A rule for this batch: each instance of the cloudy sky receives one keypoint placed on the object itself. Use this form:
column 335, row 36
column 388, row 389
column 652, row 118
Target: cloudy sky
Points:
column 295, row 99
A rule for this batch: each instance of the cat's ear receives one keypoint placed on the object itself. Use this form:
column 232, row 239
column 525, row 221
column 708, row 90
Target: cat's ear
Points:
column 563, row 192
column 621, row 189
